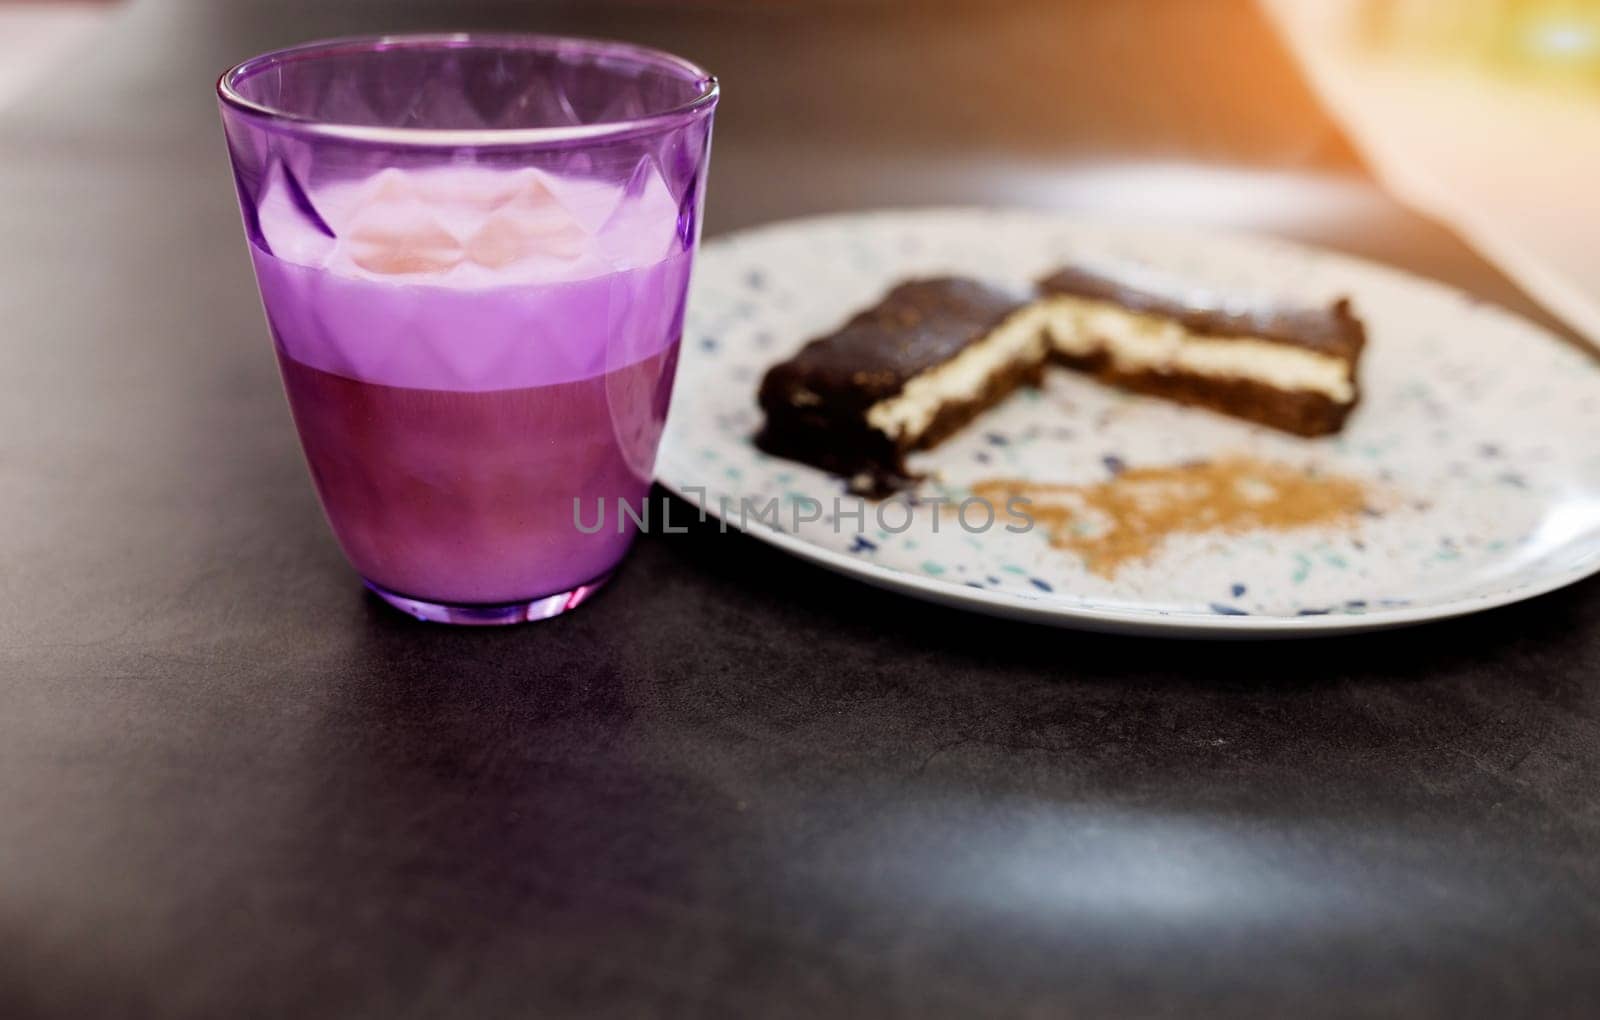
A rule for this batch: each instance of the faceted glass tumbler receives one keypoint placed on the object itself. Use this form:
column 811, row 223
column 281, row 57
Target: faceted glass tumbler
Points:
column 473, row 252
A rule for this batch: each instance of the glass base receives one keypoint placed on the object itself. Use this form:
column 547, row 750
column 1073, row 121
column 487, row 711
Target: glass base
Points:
column 495, row 615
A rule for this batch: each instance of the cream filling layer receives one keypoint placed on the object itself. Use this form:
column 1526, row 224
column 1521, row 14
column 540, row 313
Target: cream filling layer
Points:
column 1148, row 343
column 907, row 414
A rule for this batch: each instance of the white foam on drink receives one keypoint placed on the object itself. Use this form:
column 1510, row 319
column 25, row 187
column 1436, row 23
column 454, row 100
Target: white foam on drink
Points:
column 470, row 226
column 467, row 278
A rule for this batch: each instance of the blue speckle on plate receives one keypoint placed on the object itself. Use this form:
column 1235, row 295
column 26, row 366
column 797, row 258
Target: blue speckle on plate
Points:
column 1313, row 612
column 862, row 544
column 1237, row 589
column 708, row 343
column 1040, row 584
column 1223, row 609
column 996, row 439
column 1114, row 464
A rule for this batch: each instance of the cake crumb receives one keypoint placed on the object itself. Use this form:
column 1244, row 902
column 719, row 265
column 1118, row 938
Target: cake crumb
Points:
column 1127, row 517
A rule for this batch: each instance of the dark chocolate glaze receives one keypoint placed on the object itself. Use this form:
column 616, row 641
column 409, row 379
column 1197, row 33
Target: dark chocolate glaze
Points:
column 1334, row 330
column 918, row 325
column 816, row 402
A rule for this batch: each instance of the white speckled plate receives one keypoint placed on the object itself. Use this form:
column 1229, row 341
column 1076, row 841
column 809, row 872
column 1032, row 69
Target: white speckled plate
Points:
column 1480, row 426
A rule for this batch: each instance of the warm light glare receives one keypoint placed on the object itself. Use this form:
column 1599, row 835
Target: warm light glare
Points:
column 1564, row 40
column 1548, row 40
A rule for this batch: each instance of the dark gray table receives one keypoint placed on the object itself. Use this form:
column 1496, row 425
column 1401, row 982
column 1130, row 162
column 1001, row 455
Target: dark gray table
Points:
column 232, row 785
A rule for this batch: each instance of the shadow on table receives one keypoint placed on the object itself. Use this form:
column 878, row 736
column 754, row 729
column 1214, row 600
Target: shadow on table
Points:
column 772, row 589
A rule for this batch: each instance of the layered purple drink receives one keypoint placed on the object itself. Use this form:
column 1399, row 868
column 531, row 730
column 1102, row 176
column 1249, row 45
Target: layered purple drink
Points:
column 468, row 354
column 473, row 348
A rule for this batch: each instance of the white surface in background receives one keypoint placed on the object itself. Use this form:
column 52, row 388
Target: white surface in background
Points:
column 1511, row 167
column 36, row 37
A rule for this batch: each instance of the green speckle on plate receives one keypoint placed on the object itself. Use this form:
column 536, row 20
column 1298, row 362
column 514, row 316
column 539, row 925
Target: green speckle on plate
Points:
column 1302, row 567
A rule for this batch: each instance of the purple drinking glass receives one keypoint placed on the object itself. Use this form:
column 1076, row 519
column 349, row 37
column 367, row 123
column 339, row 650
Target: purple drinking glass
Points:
column 473, row 252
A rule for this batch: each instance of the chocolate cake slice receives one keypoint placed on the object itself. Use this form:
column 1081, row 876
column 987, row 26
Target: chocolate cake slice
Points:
column 1290, row 368
column 900, row 376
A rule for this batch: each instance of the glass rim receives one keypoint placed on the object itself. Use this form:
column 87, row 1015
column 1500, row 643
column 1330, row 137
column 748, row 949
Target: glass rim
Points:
column 708, row 90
